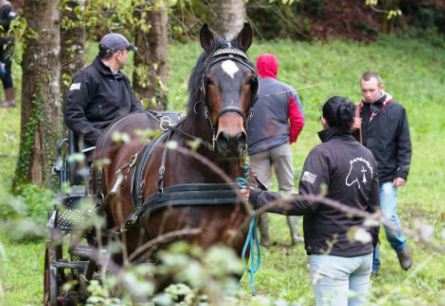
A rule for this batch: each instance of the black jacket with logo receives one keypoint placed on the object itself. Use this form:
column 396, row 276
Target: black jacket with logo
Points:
column 96, row 98
column 347, row 172
column 386, row 133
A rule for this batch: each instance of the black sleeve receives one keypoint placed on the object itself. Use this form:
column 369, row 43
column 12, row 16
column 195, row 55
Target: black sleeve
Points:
column 79, row 96
column 404, row 148
column 315, row 174
column 135, row 104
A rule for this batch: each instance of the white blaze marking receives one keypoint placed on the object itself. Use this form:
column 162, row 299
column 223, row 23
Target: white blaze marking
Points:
column 229, row 67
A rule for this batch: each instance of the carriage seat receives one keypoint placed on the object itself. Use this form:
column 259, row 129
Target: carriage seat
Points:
column 68, row 169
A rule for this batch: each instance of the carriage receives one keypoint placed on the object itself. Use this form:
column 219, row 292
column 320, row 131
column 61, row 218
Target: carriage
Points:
column 181, row 185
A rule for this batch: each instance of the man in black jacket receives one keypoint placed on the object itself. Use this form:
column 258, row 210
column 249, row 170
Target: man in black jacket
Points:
column 386, row 133
column 100, row 94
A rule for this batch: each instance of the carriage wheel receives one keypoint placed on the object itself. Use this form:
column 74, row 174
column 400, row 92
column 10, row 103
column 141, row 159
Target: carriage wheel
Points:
column 52, row 278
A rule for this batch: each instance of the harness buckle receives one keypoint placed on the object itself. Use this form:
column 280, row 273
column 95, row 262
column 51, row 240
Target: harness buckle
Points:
column 214, row 141
column 165, row 123
column 133, row 160
column 160, row 182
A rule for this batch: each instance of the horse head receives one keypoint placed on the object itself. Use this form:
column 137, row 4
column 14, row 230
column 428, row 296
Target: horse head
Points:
column 227, row 90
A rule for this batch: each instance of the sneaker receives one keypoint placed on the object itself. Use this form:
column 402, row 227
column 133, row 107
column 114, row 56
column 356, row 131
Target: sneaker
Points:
column 8, row 104
column 405, row 258
column 297, row 240
column 375, row 273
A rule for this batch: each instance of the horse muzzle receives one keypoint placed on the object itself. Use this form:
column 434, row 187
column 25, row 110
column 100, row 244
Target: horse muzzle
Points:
column 231, row 145
column 231, row 137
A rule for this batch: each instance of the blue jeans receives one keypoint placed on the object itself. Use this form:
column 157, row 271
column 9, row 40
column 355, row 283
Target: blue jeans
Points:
column 340, row 281
column 388, row 203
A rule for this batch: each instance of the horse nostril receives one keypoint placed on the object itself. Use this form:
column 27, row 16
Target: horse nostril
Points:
column 231, row 145
column 242, row 140
column 222, row 140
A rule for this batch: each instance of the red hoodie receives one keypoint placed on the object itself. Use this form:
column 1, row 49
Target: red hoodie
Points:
column 267, row 67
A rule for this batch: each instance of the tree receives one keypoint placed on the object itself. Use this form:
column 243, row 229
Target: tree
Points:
column 151, row 72
column 227, row 16
column 41, row 120
column 72, row 36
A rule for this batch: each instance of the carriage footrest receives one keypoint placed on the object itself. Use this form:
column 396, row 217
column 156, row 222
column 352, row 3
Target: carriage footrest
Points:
column 70, row 264
column 84, row 251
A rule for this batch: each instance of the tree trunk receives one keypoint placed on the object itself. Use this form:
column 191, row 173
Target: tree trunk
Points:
column 41, row 120
column 72, row 36
column 227, row 17
column 151, row 74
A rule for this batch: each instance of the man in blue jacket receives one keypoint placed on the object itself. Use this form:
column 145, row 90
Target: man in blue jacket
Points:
column 386, row 133
column 100, row 94
column 276, row 123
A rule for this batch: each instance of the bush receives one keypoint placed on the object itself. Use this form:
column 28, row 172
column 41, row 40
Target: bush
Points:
column 34, row 202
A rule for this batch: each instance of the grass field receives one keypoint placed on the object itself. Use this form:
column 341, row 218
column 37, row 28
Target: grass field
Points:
column 413, row 72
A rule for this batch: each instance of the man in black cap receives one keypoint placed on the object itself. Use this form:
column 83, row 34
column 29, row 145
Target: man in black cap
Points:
column 100, row 94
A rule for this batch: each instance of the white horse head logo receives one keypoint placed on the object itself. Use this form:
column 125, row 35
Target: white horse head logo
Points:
column 360, row 172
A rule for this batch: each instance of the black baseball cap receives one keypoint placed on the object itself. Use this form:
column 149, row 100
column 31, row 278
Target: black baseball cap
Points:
column 115, row 42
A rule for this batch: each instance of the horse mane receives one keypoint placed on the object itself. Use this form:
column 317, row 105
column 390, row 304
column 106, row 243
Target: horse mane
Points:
column 196, row 76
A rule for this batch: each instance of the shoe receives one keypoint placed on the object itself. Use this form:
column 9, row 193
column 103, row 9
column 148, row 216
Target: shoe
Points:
column 375, row 273
column 8, row 104
column 405, row 258
column 297, row 240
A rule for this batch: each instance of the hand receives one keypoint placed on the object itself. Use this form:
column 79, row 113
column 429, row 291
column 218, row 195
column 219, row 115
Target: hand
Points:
column 357, row 123
column 245, row 193
column 398, row 181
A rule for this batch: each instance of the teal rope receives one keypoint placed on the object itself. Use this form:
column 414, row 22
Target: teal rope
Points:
column 252, row 238
column 253, row 243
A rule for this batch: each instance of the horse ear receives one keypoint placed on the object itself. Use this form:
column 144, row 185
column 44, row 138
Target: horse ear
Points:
column 245, row 37
column 206, row 36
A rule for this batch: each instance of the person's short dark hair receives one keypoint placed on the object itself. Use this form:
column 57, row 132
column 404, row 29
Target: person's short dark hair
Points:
column 113, row 42
column 339, row 113
column 371, row 74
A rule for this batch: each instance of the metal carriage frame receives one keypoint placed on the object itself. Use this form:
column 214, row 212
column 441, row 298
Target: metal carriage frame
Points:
column 68, row 266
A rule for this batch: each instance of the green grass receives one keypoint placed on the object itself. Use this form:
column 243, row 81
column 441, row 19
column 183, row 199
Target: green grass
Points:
column 413, row 74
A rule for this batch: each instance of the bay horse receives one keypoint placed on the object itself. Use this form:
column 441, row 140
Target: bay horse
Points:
column 182, row 181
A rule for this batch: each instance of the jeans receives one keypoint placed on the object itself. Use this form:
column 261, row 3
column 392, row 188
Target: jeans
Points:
column 388, row 203
column 340, row 281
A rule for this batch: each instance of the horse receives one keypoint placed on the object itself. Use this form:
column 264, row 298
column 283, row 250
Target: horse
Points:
column 180, row 186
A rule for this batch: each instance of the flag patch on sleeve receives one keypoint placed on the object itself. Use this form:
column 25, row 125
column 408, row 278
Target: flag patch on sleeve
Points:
column 75, row 86
column 309, row 177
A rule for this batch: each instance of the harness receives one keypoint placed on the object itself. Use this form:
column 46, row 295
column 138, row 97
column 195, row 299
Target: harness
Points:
column 194, row 194
column 190, row 194
column 216, row 57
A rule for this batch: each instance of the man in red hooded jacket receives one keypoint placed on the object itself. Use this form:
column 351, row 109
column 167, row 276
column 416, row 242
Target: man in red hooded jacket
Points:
column 276, row 123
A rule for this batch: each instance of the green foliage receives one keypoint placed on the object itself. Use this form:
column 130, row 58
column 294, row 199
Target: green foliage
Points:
column 34, row 202
column 39, row 201
column 429, row 35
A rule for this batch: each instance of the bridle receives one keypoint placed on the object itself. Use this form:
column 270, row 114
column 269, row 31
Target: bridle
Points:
column 216, row 57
